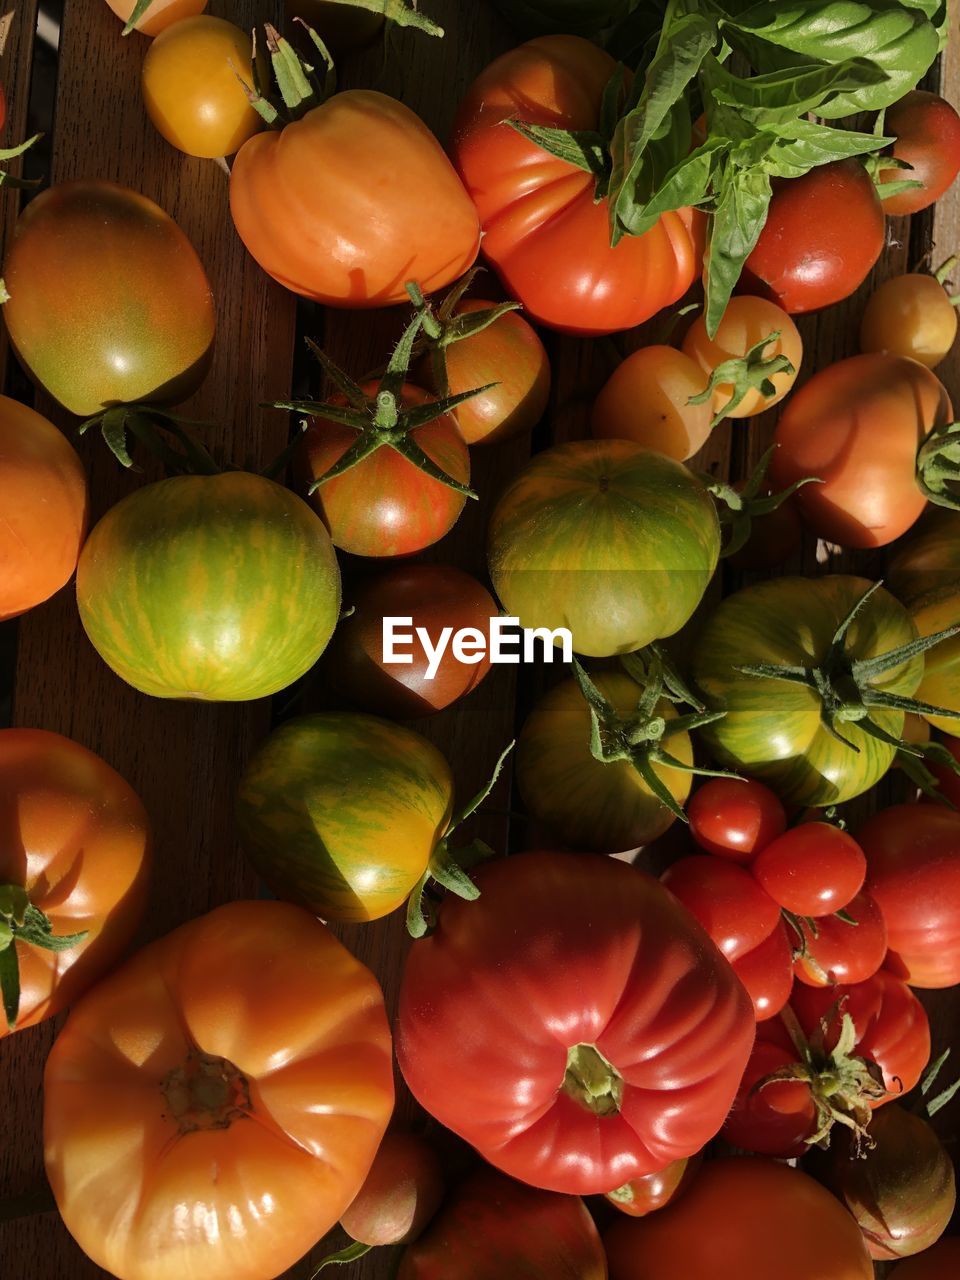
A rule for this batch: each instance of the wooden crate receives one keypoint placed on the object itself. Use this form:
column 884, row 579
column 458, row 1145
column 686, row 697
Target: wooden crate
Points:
column 184, row 760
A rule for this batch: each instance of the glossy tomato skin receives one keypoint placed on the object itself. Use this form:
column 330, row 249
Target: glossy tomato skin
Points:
column 385, row 506
column 910, row 315
column 613, row 541
column 767, row 973
column 857, row 425
column 221, row 588
column 913, row 872
column 109, row 302
column 824, row 233
column 566, row 956
column 298, row 197
column 745, row 1218
column 76, row 837
column 814, row 869
column 938, row 1263
column 43, row 494
column 775, row 1119
column 340, row 812
column 401, row 1193
column 587, row 803
column 160, row 15
column 735, row 817
column 940, row 686
column 927, row 129
column 656, row 1190
column 264, row 1096
column 435, row 596
column 646, row 399
column 746, row 322
column 543, row 231
column 841, row 952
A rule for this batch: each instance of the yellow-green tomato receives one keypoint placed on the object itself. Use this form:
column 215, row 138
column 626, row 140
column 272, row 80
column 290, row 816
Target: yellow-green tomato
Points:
column 192, row 90
column 940, row 685
column 910, row 315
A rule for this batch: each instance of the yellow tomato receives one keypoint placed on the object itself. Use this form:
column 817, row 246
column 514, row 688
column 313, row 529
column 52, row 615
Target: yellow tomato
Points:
column 160, row 15
column 910, row 315
column 647, row 399
column 746, row 322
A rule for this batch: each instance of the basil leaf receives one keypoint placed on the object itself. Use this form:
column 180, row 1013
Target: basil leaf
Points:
column 784, row 94
column 735, row 227
column 583, row 149
column 801, row 146
column 690, row 182
column 663, row 155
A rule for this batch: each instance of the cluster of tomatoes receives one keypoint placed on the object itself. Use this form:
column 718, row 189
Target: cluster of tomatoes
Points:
column 587, row 1029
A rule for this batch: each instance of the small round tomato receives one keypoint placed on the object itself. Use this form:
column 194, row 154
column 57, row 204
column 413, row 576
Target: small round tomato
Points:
column 841, row 952
column 728, row 902
column 910, row 315
column 927, row 132
column 656, row 1190
column 824, row 232
column 814, row 869
column 767, row 973
column 647, row 399
column 746, row 322
column 191, row 88
column 160, row 13
column 941, row 1262
column 735, row 817
column 777, row 1118
column 400, row 1194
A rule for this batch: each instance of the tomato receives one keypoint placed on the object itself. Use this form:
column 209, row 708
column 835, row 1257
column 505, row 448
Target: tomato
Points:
column 615, row 542
column 656, row 1190
column 940, row 685
column 841, row 952
column 341, row 26
column 74, row 837
column 493, row 1227
column 857, row 425
column 767, row 973
column 746, row 322
column 109, row 303
column 218, row 587
column 823, row 235
column 814, row 869
column 191, row 90
column 780, row 1118
column 913, row 873
column 43, row 495
column 223, row 1093
column 579, row 17
column 543, row 231
column 436, row 597
column 929, row 559
column 360, row 160
column 159, row 15
column 927, row 132
column 600, row 1035
column 774, row 729
column 386, row 506
column 400, row 1194
column 590, row 803
column 901, row 1190
column 938, row 1263
column 341, row 812
column 647, row 400
column 735, row 817
column 745, row 1219
column 910, row 315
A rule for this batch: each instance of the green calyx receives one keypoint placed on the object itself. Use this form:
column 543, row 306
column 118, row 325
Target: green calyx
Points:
column 737, row 508
column 938, row 464
column 441, row 327
column 300, row 85
column 592, row 1081
column 942, row 276
column 22, row 922
column 150, row 425
column 751, row 372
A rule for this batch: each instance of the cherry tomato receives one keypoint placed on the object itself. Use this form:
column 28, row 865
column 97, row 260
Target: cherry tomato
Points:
column 159, row 15
column 841, row 952
column 735, row 817
column 779, row 1118
column 728, row 902
column 910, row 315
column 942, row 1262
column 767, row 973
column 646, row 399
column 824, row 232
column 927, row 129
column 656, row 1190
column 812, row 870
column 746, row 322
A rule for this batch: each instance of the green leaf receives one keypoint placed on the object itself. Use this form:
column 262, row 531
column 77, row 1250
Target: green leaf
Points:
column 735, row 228
column 780, row 96
column 139, row 9
column 584, row 149
column 688, row 183
column 802, row 145
column 10, row 984
column 350, row 1253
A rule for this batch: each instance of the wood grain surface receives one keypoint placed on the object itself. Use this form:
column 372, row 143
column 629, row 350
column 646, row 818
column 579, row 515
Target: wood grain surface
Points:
column 185, row 760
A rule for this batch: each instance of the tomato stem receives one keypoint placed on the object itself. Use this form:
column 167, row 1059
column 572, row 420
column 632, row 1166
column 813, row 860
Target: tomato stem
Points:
column 24, row 924
column 592, row 1080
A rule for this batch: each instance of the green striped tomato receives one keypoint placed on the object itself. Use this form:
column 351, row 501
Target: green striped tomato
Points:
column 940, row 685
column 340, row 812
column 611, row 540
column 929, row 559
column 218, row 587
column 773, row 729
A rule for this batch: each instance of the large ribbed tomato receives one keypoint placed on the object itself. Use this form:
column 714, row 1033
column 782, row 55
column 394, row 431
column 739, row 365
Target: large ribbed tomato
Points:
column 574, row 1024
column 543, row 230
column 212, row 1108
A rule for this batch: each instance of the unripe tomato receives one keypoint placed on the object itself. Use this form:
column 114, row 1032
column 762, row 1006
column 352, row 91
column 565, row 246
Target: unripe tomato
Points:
column 400, row 1195
column 191, row 90
column 910, row 315
column 647, row 399
column 746, row 322
column 927, row 129
column 160, row 15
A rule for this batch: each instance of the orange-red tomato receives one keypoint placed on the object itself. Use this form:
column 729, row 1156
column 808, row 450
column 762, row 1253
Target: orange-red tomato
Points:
column 160, row 14
column 746, row 322
column 211, row 1109
column 656, row 1190
column 910, row 315
column 927, row 129
column 647, row 399
column 75, row 836
column 43, row 497
column 353, row 200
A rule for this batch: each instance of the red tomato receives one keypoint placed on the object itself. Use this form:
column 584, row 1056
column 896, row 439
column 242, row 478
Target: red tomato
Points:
column 735, row 817
column 927, row 129
column 655, row 1191
column 812, row 870
column 767, row 973
column 736, row 912
column 942, row 1262
column 824, row 232
column 842, row 952
column 544, row 232
column 778, row 1119
column 913, row 872
column 598, row 1033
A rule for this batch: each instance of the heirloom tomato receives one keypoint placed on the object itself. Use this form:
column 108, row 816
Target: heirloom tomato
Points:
column 109, row 303
column 913, row 873
column 927, row 132
column 929, row 559
column 857, row 426
column 74, row 864
column 938, row 1263
column 655, row 1190
column 223, row 588
column 814, row 869
column 543, row 228
column 780, row 725
column 615, row 542
column 647, row 400
column 910, row 315
column 742, row 1219
column 832, row 950
column 735, row 817
column 342, row 812
column 746, row 323
column 823, row 234
column 43, row 497
column 212, row 1107
column 400, row 1194
column 599, row 1033
column 191, row 90
column 940, row 685
column 159, row 14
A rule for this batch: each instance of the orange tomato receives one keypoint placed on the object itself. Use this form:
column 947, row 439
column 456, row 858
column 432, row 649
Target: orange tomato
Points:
column 43, row 497
column 910, row 315
column 75, row 836
column 211, row 1109
column 160, row 15
column 647, row 399
column 746, row 322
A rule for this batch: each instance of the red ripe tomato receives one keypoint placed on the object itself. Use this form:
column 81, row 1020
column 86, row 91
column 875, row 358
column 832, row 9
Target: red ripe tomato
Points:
column 927, row 129
column 779, row 1118
column 841, row 952
column 913, row 872
column 544, row 232
column 942, row 1262
column 824, row 232
column 735, row 817
column 767, row 973
column 812, row 870
column 598, row 1033
column 655, row 1191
